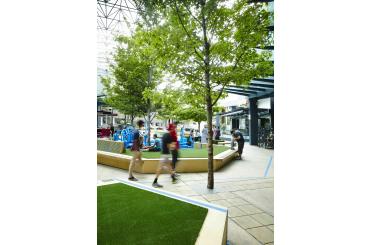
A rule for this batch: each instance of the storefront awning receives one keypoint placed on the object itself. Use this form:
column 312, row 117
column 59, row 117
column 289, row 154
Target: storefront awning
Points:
column 233, row 113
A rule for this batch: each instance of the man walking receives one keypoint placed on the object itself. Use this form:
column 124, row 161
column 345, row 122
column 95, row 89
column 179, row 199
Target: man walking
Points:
column 137, row 145
column 168, row 144
column 238, row 137
column 172, row 128
column 204, row 135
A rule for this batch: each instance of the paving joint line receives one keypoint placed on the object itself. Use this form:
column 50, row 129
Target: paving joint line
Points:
column 244, row 230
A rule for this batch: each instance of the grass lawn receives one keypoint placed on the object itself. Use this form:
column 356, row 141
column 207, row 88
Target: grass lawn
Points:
column 187, row 153
column 128, row 215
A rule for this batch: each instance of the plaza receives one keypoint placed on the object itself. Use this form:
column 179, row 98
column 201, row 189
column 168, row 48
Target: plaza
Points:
column 72, row 69
column 244, row 187
column 202, row 72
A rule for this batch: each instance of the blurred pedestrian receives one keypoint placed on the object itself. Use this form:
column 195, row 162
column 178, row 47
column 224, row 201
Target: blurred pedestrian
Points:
column 168, row 145
column 204, row 134
column 218, row 133
column 137, row 145
column 172, row 129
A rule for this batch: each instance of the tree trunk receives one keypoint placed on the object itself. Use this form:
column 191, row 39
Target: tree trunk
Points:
column 208, row 99
column 148, row 123
column 131, row 119
column 210, row 143
column 149, row 108
column 199, row 126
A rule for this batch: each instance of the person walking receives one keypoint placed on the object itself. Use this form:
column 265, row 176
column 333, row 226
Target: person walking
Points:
column 168, row 145
column 214, row 131
column 204, row 134
column 238, row 137
column 136, row 147
column 218, row 133
column 172, row 129
column 197, row 135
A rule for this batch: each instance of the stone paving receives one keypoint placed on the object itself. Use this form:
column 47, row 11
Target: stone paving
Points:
column 241, row 186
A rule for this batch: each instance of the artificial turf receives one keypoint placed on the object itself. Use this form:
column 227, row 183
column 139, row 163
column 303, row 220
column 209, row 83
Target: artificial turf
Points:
column 128, row 215
column 187, row 153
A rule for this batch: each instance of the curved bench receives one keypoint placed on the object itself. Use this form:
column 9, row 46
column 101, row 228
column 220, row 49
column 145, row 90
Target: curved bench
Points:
column 149, row 165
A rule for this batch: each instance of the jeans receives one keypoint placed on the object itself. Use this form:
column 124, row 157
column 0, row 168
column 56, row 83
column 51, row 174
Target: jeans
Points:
column 240, row 147
column 174, row 158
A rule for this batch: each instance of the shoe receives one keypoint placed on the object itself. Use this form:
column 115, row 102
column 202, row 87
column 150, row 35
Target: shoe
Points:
column 156, row 185
column 133, row 178
column 174, row 180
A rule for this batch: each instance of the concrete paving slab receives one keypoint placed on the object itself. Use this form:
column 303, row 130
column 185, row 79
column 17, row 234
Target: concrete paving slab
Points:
column 238, row 236
column 187, row 192
column 237, row 201
column 250, row 209
column 223, row 203
column 262, row 234
column 183, row 188
column 246, row 222
column 235, row 212
column 263, row 218
column 261, row 198
column 227, row 195
column 191, row 176
column 212, row 197
column 199, row 198
column 202, row 188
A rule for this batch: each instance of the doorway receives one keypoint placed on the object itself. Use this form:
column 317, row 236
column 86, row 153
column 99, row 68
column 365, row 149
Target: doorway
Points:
column 235, row 123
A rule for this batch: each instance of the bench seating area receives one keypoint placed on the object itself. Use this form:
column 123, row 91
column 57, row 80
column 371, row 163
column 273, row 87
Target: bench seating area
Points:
column 149, row 165
column 110, row 146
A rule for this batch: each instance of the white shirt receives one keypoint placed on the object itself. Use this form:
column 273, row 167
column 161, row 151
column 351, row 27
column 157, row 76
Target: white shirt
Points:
column 204, row 135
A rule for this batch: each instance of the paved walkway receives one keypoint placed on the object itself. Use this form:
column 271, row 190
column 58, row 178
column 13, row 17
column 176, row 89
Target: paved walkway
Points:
column 245, row 187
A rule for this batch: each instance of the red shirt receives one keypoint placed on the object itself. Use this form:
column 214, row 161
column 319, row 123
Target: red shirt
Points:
column 173, row 134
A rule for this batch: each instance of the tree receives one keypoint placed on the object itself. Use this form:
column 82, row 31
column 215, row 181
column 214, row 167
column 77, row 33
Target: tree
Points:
column 193, row 113
column 169, row 101
column 124, row 89
column 211, row 45
column 135, row 74
column 194, row 107
column 144, row 43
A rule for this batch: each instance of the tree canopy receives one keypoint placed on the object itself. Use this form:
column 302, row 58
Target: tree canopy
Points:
column 134, row 71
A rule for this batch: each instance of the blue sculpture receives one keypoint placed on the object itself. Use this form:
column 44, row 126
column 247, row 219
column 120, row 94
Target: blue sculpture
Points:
column 127, row 137
column 116, row 136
